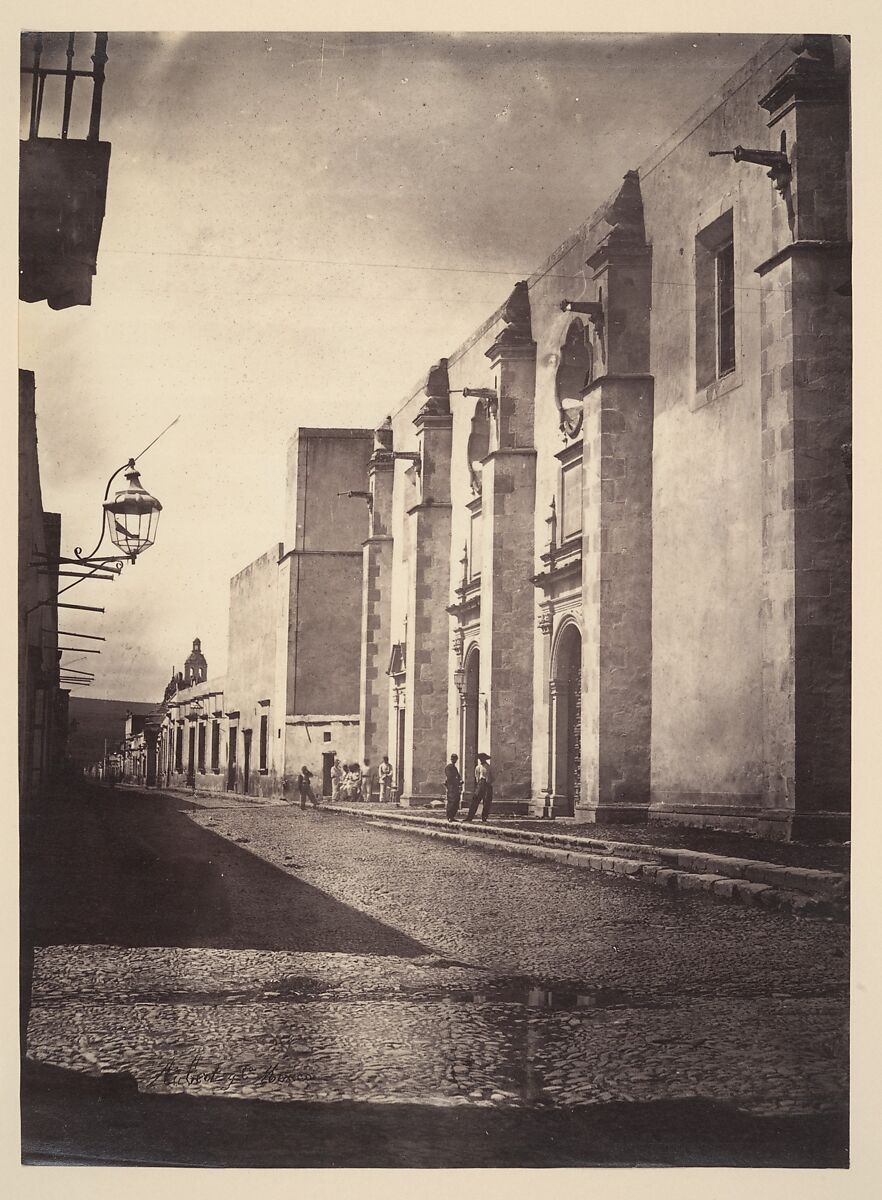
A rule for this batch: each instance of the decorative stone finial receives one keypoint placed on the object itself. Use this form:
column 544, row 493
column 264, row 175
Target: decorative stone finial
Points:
column 383, row 438
column 625, row 216
column 516, row 310
column 437, row 391
column 625, row 213
column 518, row 330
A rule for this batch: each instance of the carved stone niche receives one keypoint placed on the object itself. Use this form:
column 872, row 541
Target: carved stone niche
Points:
column 478, row 446
column 574, row 374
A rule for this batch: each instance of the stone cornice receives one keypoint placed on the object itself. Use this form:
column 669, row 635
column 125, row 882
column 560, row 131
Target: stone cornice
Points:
column 433, row 420
column 319, row 554
column 563, row 563
column 615, row 377
column 805, row 246
column 469, row 603
column 510, row 452
column 510, row 345
column 381, row 460
column 805, row 82
column 613, row 252
column 429, row 506
column 570, row 453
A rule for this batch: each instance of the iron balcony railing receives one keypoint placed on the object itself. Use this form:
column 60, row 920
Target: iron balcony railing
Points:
column 70, row 75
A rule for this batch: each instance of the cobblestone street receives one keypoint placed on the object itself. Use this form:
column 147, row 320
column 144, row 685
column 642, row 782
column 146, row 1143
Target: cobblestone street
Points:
column 264, row 954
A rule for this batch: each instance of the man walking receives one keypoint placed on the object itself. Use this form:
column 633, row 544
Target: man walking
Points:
column 385, row 775
column 483, row 789
column 304, row 787
column 453, row 786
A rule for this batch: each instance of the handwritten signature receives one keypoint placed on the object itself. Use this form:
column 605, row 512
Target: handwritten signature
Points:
column 173, row 1073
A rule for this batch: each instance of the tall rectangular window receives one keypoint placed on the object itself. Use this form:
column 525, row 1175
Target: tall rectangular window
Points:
column 264, row 728
column 715, row 302
column 724, row 262
column 571, row 500
column 215, row 745
column 200, row 748
column 475, row 540
column 179, row 748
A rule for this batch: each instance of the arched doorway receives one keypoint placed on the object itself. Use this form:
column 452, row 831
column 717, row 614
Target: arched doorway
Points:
column 469, row 739
column 566, row 719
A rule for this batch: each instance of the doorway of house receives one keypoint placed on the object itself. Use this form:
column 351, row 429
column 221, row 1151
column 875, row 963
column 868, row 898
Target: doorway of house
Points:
column 567, row 717
column 191, row 757
column 246, row 755
column 327, row 778
column 231, row 759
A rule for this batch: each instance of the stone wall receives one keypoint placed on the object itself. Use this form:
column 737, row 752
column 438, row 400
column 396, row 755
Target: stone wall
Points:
column 715, row 538
column 324, row 650
column 322, row 463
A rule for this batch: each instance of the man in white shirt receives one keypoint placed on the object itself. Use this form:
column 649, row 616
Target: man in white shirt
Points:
column 367, row 780
column 385, row 776
column 337, row 774
column 483, row 793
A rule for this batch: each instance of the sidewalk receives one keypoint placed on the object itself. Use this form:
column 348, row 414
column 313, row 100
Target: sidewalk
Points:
column 798, row 878
column 729, row 843
column 658, row 854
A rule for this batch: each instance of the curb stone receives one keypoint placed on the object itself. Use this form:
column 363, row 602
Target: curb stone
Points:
column 726, row 885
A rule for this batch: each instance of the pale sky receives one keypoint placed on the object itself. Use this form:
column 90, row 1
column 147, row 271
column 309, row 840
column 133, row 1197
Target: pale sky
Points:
column 297, row 227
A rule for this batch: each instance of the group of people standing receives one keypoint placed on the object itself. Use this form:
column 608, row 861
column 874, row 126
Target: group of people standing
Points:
column 482, row 795
column 351, row 782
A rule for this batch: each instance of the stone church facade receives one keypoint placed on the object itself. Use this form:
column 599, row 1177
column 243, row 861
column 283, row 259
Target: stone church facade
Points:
column 607, row 541
column 609, row 537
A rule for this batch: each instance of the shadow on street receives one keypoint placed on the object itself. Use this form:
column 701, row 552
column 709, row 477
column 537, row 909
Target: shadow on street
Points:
column 104, row 867
column 130, row 869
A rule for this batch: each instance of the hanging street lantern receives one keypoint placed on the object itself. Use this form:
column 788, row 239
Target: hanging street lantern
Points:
column 132, row 516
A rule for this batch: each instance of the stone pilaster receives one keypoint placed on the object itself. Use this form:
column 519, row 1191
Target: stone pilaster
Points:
column 508, row 500
column 376, row 606
column 617, row 529
column 557, row 741
column 428, row 623
column 806, row 440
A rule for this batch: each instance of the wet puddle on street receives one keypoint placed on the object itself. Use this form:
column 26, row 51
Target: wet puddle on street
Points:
column 330, row 1028
column 542, row 996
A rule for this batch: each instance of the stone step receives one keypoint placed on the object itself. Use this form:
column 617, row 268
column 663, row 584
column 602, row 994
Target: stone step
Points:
column 800, row 890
